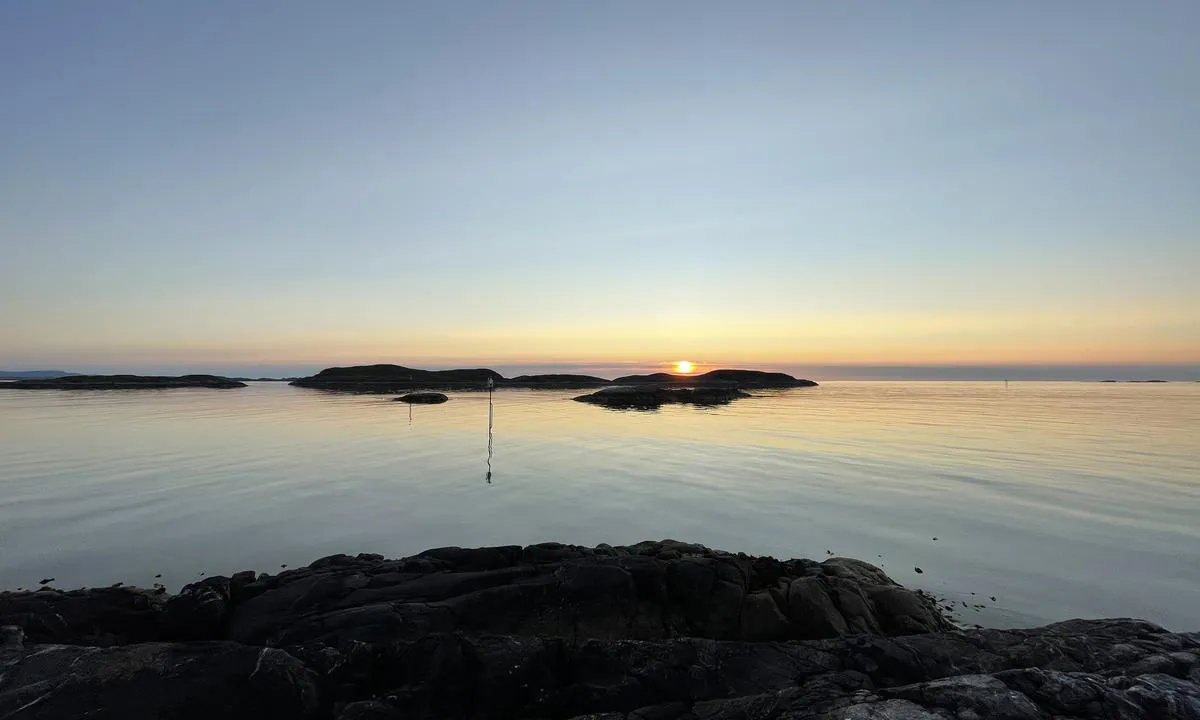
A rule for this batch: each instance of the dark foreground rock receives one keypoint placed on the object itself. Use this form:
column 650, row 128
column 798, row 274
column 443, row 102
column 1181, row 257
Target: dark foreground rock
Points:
column 125, row 382
column 657, row 630
column 725, row 378
column 652, row 398
column 423, row 398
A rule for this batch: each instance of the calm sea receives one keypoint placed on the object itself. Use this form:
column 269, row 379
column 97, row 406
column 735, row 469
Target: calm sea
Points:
column 1059, row 499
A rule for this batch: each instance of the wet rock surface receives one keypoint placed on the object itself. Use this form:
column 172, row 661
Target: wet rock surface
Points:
column 655, row 630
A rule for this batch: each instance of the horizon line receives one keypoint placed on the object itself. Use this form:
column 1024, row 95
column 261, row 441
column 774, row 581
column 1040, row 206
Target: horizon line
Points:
column 1169, row 371
column 461, row 363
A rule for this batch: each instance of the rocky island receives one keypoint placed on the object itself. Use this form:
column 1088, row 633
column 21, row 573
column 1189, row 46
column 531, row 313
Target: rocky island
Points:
column 658, row 630
column 397, row 378
column 125, row 382
column 718, row 387
column 654, row 397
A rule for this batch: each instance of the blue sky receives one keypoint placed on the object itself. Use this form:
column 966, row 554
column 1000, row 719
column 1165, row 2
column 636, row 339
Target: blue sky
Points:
column 230, row 184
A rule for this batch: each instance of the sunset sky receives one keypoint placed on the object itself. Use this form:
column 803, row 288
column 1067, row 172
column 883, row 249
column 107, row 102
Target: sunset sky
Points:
column 286, row 184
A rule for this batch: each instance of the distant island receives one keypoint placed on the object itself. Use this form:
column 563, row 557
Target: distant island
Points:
column 397, row 378
column 125, row 382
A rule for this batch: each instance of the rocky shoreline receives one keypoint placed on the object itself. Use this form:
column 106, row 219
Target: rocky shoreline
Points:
column 658, row 630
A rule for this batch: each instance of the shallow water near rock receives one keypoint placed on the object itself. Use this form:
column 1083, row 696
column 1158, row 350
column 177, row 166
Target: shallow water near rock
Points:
column 1058, row 499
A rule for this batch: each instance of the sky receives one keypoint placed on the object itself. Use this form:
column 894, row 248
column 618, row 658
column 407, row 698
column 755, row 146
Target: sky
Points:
column 290, row 184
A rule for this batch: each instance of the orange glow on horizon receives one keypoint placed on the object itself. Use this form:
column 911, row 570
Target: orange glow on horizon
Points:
column 684, row 367
column 1150, row 334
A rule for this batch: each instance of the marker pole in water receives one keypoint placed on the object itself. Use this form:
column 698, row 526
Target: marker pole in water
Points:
column 490, row 385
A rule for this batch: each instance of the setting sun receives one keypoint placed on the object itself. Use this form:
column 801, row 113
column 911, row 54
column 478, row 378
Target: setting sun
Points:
column 684, row 367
